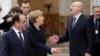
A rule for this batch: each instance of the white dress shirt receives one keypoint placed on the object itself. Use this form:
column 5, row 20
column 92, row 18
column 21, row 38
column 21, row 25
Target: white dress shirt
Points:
column 77, row 17
column 17, row 32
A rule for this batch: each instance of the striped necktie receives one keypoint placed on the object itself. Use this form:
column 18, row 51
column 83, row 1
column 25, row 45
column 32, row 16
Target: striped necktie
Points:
column 73, row 23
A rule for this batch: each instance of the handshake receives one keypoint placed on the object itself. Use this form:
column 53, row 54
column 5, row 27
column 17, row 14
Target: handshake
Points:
column 54, row 39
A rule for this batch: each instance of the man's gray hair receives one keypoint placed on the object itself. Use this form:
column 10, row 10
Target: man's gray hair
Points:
column 96, row 6
column 80, row 4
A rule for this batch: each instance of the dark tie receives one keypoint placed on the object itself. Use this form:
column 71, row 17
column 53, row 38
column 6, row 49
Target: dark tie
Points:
column 97, row 30
column 73, row 23
column 97, row 23
column 21, row 39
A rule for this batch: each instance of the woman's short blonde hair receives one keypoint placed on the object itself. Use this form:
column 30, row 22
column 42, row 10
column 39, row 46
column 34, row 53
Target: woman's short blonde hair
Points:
column 33, row 15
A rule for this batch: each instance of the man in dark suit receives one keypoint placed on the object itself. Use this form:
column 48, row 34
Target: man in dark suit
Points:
column 96, row 22
column 79, row 32
column 25, row 7
column 16, row 42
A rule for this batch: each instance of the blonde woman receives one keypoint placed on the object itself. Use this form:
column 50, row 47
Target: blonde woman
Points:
column 36, row 20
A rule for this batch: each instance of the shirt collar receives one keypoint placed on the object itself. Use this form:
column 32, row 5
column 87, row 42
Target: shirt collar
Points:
column 77, row 16
column 16, row 30
column 94, row 18
column 27, row 15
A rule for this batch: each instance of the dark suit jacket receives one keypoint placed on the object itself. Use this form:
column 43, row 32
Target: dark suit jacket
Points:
column 96, row 50
column 11, row 46
column 39, row 36
column 81, row 38
column 92, row 19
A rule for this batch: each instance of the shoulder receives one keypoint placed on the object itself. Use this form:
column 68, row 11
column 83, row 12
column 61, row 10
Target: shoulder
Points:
column 26, row 31
column 91, row 16
column 6, row 34
column 84, row 16
column 30, row 27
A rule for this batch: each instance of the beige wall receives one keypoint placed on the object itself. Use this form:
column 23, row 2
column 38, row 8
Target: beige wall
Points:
column 39, row 4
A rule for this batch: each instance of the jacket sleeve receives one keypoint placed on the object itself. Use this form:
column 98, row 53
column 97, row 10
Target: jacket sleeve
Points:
column 3, row 24
column 4, row 46
column 64, row 38
column 39, row 45
column 90, row 36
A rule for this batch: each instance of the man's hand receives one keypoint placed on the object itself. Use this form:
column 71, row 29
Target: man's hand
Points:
column 56, row 50
column 54, row 38
column 87, row 54
column 9, row 19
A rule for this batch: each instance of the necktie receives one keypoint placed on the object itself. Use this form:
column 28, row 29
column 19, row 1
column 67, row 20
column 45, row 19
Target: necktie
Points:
column 97, row 23
column 21, row 39
column 73, row 23
column 97, row 30
column 27, row 21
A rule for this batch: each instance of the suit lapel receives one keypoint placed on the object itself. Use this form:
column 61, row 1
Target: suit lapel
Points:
column 15, row 36
column 24, row 35
column 79, row 22
column 70, row 24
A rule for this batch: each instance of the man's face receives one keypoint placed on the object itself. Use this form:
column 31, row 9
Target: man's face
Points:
column 96, row 12
column 22, row 23
column 74, row 9
column 25, row 8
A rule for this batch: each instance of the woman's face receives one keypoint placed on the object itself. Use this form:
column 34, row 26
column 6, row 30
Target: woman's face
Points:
column 40, row 19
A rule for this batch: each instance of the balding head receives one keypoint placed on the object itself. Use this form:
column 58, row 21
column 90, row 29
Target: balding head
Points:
column 76, row 7
column 79, row 4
